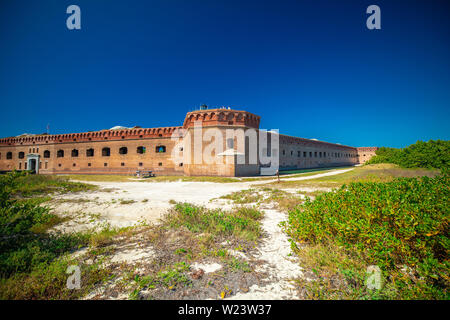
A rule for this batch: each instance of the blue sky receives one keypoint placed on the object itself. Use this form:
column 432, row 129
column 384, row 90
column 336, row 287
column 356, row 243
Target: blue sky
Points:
column 309, row 68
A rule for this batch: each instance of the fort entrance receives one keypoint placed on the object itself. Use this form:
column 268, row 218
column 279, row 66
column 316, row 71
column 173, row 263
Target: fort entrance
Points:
column 33, row 162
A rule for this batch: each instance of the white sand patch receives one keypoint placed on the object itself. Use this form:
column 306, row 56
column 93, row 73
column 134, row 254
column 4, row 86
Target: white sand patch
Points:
column 79, row 253
column 237, row 254
column 208, row 268
column 133, row 255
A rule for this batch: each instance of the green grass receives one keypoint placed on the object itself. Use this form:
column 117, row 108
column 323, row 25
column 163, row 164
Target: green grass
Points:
column 398, row 225
column 309, row 172
column 283, row 199
column 171, row 278
column 27, row 185
column 243, row 196
column 127, row 201
column 368, row 173
column 48, row 281
column 379, row 173
column 241, row 223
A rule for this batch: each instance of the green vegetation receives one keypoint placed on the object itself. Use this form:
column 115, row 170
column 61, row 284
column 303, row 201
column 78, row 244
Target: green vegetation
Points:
column 122, row 201
column 431, row 154
column 400, row 226
column 368, row 173
column 243, row 196
column 283, row 199
column 170, row 278
column 242, row 222
column 188, row 234
column 309, row 172
column 22, row 184
column 33, row 262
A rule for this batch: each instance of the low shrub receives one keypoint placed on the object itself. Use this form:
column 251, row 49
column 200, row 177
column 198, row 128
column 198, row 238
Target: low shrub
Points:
column 25, row 185
column 399, row 225
column 33, row 262
column 241, row 222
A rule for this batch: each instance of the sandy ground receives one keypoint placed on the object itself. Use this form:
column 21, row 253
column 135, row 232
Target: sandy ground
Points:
column 127, row 203
column 147, row 201
column 122, row 204
column 279, row 265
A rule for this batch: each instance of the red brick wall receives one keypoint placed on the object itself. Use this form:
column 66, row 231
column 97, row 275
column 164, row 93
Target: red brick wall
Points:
column 322, row 153
column 365, row 153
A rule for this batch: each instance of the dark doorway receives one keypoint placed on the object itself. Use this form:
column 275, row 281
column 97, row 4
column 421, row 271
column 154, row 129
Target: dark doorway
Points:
column 33, row 165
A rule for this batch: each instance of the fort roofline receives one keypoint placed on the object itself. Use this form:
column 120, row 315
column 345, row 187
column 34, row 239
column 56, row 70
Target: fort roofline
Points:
column 101, row 135
column 313, row 143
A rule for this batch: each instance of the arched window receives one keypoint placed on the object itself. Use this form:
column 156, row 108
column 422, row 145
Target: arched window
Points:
column 123, row 150
column 9, row 155
column 74, row 153
column 21, row 155
column 60, row 154
column 140, row 150
column 106, row 152
column 46, row 154
column 160, row 149
column 90, row 152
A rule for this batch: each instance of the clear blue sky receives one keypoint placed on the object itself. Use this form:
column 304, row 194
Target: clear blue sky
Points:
column 309, row 68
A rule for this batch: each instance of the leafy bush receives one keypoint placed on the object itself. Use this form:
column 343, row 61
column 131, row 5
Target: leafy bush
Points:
column 33, row 262
column 25, row 184
column 23, row 243
column 431, row 154
column 48, row 281
column 399, row 225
